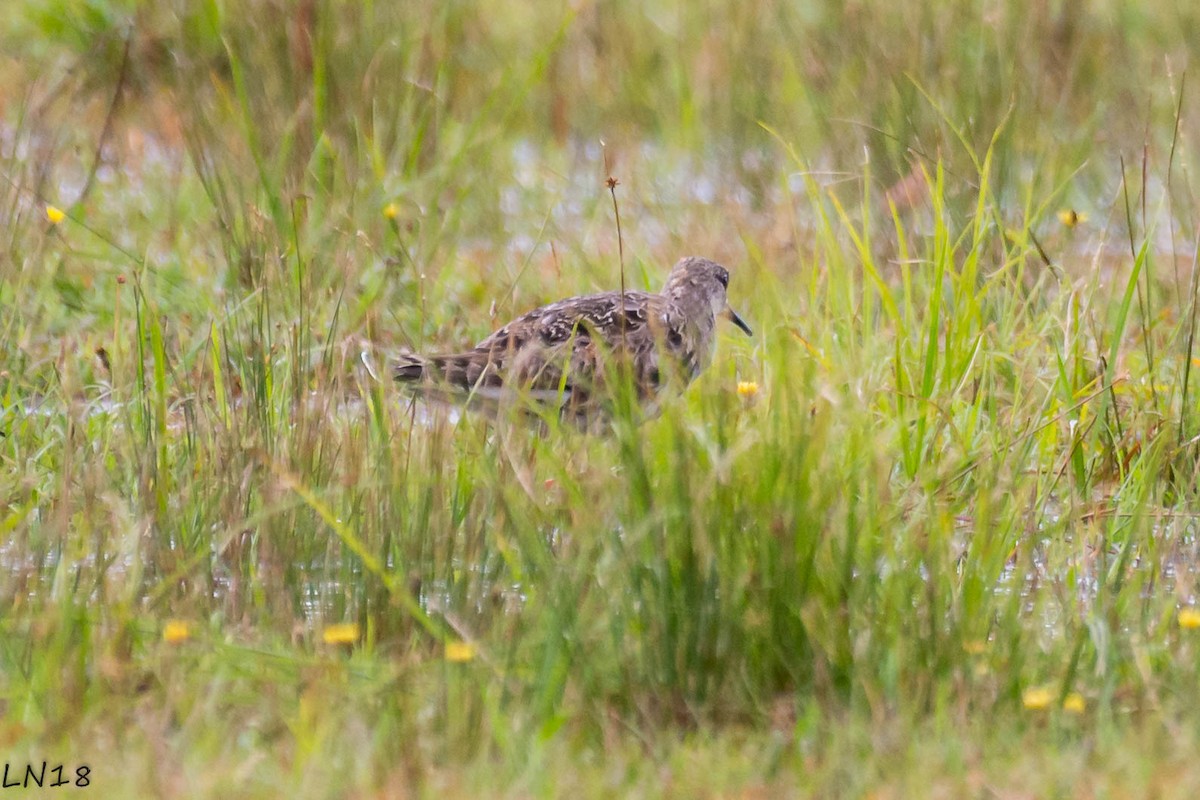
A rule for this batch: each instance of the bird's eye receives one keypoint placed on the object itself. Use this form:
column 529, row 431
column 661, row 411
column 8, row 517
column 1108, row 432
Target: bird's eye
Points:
column 723, row 277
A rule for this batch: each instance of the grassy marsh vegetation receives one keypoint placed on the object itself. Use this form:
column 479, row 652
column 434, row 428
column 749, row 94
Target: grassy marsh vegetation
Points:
column 948, row 548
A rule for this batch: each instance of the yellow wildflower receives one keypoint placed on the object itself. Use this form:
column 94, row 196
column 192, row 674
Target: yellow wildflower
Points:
column 1069, row 217
column 747, row 390
column 1189, row 618
column 55, row 215
column 176, row 632
column 1038, row 698
column 1074, row 703
column 341, row 633
column 459, row 652
column 391, row 211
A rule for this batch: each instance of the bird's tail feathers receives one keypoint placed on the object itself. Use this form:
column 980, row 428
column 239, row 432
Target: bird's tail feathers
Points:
column 457, row 371
column 410, row 368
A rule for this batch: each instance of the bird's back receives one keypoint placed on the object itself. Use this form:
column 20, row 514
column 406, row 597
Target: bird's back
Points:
column 563, row 352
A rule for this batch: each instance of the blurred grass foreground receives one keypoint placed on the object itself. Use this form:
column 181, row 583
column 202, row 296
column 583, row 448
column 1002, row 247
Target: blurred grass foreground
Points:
column 933, row 532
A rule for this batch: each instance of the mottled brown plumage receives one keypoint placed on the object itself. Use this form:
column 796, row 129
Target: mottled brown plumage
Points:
column 562, row 354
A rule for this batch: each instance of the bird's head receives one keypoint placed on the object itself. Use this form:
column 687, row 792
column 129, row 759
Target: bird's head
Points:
column 695, row 283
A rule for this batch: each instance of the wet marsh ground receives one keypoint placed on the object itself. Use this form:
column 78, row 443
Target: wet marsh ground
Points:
column 932, row 532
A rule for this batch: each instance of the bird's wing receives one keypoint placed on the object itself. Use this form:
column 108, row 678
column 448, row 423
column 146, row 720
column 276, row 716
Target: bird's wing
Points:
column 558, row 354
column 575, row 335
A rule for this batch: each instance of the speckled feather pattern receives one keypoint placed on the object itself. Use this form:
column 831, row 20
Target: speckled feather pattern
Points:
column 560, row 353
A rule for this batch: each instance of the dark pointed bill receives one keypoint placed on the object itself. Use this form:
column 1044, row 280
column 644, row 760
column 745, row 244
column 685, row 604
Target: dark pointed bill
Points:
column 732, row 316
